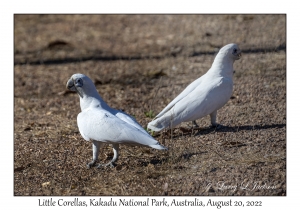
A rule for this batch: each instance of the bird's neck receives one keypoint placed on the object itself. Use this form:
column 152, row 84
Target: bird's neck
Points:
column 92, row 102
column 222, row 67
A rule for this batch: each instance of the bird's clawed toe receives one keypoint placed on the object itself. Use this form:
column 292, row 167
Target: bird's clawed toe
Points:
column 111, row 165
column 91, row 164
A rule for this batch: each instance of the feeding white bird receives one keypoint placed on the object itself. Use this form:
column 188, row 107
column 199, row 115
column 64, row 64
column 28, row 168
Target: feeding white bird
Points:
column 204, row 96
column 102, row 124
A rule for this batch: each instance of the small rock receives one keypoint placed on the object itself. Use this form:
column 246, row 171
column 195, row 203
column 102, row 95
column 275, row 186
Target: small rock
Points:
column 45, row 184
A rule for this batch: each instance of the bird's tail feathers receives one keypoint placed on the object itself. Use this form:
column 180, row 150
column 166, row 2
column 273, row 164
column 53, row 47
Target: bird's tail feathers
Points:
column 158, row 146
column 155, row 126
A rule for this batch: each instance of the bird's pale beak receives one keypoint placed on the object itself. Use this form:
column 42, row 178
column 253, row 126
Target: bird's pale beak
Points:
column 70, row 86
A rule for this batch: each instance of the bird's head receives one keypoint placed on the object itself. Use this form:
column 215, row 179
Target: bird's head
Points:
column 232, row 51
column 81, row 84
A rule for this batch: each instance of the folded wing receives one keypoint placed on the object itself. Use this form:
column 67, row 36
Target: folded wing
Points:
column 183, row 94
column 101, row 125
column 130, row 120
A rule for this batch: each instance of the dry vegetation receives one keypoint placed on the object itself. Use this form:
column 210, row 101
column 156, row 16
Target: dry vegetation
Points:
column 140, row 63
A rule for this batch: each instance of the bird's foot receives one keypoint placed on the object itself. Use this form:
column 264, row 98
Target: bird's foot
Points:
column 91, row 164
column 110, row 164
column 194, row 126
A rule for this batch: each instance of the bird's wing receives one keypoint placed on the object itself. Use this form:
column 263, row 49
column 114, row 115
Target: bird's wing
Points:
column 203, row 100
column 206, row 98
column 183, row 94
column 101, row 125
column 130, row 120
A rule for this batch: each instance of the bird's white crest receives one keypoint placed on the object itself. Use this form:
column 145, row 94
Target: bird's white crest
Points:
column 102, row 124
column 204, row 96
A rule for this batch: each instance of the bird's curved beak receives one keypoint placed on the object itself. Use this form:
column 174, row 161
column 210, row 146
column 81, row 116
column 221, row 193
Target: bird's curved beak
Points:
column 70, row 86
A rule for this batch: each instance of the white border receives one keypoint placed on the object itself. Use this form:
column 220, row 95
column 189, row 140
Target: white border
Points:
column 154, row 6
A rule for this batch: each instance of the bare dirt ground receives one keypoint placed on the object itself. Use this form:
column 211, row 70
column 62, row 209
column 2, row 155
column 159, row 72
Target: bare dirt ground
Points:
column 140, row 63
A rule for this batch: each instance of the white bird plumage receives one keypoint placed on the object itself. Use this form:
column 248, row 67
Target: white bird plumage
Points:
column 102, row 124
column 204, row 96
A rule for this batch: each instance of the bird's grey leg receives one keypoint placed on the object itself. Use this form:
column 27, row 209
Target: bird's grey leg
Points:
column 213, row 118
column 116, row 155
column 96, row 148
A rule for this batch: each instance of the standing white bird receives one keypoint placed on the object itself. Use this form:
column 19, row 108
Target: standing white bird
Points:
column 204, row 96
column 102, row 124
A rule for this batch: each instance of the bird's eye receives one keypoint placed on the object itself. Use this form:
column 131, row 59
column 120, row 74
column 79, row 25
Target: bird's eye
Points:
column 78, row 82
column 234, row 50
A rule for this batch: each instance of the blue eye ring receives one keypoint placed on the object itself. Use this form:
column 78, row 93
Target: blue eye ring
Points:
column 78, row 82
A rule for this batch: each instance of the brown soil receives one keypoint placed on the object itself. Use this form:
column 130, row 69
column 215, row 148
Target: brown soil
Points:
column 140, row 63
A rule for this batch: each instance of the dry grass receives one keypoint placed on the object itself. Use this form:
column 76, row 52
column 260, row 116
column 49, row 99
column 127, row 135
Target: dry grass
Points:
column 140, row 63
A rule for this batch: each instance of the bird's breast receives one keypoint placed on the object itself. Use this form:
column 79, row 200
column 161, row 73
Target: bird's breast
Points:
column 214, row 95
